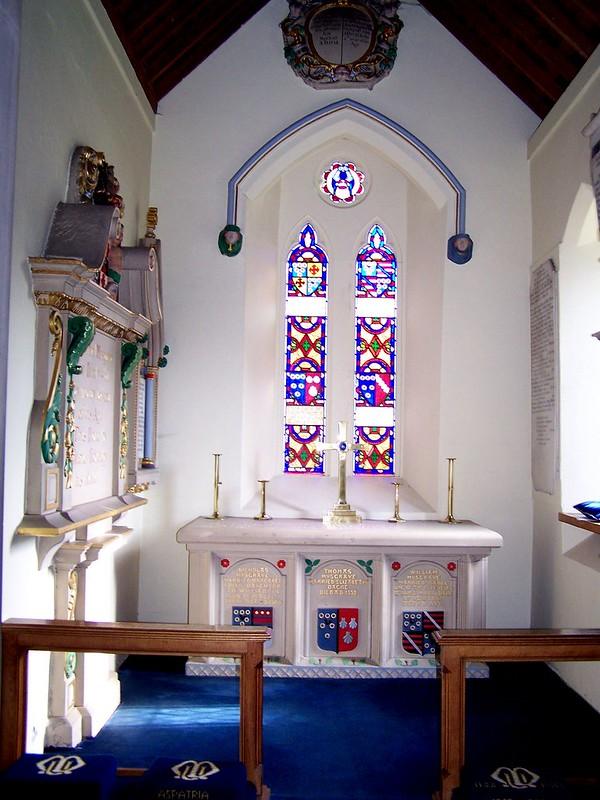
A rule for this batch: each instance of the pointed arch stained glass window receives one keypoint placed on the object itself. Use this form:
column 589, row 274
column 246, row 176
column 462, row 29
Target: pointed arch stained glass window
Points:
column 375, row 363
column 305, row 360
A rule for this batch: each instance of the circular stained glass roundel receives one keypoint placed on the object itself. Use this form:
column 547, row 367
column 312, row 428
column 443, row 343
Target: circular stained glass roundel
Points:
column 342, row 183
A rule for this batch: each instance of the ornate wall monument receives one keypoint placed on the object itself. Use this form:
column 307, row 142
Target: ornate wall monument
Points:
column 97, row 348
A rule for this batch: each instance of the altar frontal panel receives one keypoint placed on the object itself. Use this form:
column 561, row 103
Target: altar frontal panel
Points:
column 338, row 598
column 423, row 600
column 252, row 591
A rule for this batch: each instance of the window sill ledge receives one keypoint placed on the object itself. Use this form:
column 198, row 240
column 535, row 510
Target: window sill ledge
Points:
column 579, row 521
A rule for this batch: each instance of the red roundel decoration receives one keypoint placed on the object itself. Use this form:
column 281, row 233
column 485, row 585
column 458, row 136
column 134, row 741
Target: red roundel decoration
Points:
column 451, row 566
column 281, row 564
column 342, row 183
column 396, row 565
column 224, row 563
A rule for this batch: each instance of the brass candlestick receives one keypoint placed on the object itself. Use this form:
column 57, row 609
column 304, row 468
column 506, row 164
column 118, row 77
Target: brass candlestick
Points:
column 263, row 501
column 450, row 518
column 216, row 484
column 396, row 517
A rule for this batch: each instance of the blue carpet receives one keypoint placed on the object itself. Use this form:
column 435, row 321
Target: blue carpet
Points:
column 353, row 739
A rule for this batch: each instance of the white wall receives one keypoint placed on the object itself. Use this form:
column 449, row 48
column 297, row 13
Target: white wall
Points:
column 75, row 87
column 207, row 127
column 566, row 561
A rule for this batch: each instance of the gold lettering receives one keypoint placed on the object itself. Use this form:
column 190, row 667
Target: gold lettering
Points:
column 338, row 581
column 253, row 584
column 423, row 584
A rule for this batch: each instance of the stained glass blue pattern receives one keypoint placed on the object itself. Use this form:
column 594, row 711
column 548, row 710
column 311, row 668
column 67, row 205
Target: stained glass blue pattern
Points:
column 375, row 360
column 376, row 267
column 377, row 458
column 305, row 359
column 375, row 367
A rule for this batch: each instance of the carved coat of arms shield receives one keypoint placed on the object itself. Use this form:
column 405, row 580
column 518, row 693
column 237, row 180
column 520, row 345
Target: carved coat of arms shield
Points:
column 337, row 629
column 417, row 631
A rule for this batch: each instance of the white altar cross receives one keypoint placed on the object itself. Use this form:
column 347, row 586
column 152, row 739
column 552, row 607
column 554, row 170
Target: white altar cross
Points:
column 341, row 512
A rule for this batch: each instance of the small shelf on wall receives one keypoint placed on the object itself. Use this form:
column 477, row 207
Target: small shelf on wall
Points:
column 579, row 521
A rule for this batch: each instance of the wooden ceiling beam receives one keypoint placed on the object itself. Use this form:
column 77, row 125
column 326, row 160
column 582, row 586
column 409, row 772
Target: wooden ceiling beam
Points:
column 183, row 63
column 579, row 38
column 176, row 19
column 185, row 37
column 186, row 56
column 112, row 8
column 475, row 27
column 139, row 18
column 533, row 48
column 192, row 18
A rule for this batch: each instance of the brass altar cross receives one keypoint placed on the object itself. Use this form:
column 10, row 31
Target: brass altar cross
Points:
column 341, row 512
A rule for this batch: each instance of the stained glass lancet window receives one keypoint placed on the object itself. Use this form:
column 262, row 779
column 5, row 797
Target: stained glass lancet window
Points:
column 305, row 359
column 375, row 364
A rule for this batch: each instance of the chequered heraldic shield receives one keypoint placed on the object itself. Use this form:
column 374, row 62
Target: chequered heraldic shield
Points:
column 307, row 267
column 253, row 615
column 337, row 629
column 417, row 631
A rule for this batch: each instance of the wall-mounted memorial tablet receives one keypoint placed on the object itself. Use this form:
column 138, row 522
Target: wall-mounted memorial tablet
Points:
column 339, row 44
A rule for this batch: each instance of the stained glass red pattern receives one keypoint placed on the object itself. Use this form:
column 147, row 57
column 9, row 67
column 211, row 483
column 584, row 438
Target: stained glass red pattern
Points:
column 301, row 454
column 342, row 183
column 305, row 360
column 305, row 344
column 305, row 388
column 375, row 362
column 375, row 344
column 378, row 456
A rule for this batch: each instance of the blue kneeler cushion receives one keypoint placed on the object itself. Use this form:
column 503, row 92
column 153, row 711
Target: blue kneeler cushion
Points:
column 60, row 777
column 511, row 781
column 195, row 779
column 590, row 509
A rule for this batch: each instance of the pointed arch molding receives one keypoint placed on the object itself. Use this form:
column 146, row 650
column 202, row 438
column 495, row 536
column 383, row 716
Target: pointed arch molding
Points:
column 460, row 245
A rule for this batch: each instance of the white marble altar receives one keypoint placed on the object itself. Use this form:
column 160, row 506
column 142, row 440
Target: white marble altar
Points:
column 356, row 599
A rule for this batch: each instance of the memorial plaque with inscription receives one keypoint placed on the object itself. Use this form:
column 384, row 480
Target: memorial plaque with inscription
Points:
column 423, row 601
column 252, row 592
column 96, row 398
column 338, row 609
column 342, row 35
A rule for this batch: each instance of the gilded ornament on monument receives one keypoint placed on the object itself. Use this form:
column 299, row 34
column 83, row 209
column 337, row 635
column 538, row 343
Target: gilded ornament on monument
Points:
column 50, row 443
column 82, row 332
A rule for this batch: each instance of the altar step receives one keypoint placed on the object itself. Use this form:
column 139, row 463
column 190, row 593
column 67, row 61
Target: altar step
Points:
column 230, row 669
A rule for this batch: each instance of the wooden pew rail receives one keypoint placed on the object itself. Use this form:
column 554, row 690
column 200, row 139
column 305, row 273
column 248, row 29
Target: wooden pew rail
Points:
column 19, row 636
column 457, row 647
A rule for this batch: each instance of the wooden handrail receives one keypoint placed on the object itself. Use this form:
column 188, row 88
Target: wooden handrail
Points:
column 457, row 647
column 19, row 636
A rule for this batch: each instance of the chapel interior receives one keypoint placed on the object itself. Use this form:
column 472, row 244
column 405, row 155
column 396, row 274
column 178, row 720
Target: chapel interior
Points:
column 476, row 154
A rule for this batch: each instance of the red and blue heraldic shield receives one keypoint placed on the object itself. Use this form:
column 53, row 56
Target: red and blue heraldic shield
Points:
column 252, row 615
column 417, row 631
column 337, row 629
